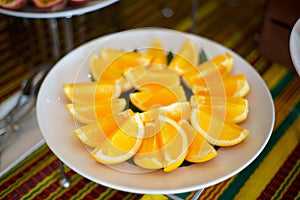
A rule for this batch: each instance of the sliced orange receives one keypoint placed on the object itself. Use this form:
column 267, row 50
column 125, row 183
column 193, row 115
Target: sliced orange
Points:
column 217, row 131
column 152, row 77
column 199, row 150
column 122, row 144
column 94, row 134
column 104, row 74
column 146, row 99
column 186, row 58
column 157, row 52
column 176, row 111
column 234, row 109
column 121, row 61
column 90, row 92
column 89, row 112
column 221, row 64
column 101, row 71
column 235, row 86
column 149, row 155
column 167, row 148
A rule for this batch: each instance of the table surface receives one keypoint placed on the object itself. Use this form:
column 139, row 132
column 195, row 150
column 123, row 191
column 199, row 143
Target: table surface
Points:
column 274, row 174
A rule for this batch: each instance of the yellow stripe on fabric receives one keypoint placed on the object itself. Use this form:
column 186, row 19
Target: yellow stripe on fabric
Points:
column 186, row 23
column 270, row 165
column 109, row 192
column 215, row 190
column 34, row 170
column 45, row 183
column 74, row 180
column 287, row 182
column 154, row 197
column 236, row 37
column 84, row 191
column 274, row 75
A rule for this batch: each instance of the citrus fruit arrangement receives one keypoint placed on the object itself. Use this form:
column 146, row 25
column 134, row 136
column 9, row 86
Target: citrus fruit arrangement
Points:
column 159, row 109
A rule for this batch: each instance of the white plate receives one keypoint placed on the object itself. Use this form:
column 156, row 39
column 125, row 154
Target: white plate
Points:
column 295, row 45
column 30, row 11
column 57, row 125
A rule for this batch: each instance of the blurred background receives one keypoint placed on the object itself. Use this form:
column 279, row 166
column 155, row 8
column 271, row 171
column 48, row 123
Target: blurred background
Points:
column 258, row 30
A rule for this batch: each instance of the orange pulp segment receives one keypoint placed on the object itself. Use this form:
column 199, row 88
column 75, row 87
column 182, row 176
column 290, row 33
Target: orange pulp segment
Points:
column 157, row 52
column 233, row 109
column 186, row 58
column 152, row 77
column 199, row 150
column 221, row 64
column 122, row 144
column 176, row 111
column 217, row 131
column 89, row 112
column 167, row 148
column 235, row 86
column 149, row 155
column 145, row 100
column 95, row 133
column 90, row 92
column 121, row 61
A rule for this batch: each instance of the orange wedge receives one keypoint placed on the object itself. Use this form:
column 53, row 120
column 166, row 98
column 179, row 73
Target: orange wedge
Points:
column 152, row 77
column 186, row 58
column 100, row 69
column 221, row 64
column 157, row 52
column 94, row 134
column 234, row 109
column 145, row 100
column 167, row 148
column 89, row 112
column 176, row 111
column 234, row 86
column 121, row 61
column 217, row 131
column 149, row 155
column 199, row 150
column 122, row 144
column 89, row 92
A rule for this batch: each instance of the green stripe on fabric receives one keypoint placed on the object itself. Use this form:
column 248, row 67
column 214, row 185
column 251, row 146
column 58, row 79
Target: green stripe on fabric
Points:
column 74, row 180
column 109, row 192
column 48, row 180
column 241, row 178
column 85, row 190
column 288, row 180
column 282, row 84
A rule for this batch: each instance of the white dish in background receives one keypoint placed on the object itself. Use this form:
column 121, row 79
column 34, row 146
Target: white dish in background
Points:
column 295, row 46
column 57, row 125
column 30, row 11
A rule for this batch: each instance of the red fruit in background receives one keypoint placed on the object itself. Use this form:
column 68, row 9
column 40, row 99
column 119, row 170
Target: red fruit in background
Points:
column 76, row 2
column 12, row 4
column 50, row 5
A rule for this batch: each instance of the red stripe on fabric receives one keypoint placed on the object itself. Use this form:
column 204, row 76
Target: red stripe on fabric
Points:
column 293, row 190
column 281, row 174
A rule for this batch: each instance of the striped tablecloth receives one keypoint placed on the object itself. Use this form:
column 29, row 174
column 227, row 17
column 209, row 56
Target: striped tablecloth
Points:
column 275, row 174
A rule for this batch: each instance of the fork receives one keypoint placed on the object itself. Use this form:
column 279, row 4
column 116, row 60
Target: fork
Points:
column 10, row 124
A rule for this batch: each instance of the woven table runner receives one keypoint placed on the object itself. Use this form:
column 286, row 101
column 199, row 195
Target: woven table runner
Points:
column 275, row 174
